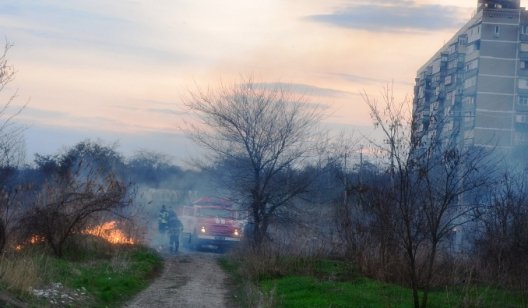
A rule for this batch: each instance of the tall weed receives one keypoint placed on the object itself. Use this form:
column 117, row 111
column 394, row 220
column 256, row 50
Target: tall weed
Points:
column 19, row 273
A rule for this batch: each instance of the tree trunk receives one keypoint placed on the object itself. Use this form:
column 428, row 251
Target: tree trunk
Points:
column 2, row 236
column 260, row 231
column 429, row 275
column 414, row 278
column 56, row 247
column 414, row 285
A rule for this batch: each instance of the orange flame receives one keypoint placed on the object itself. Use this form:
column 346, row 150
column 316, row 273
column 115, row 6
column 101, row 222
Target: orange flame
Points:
column 110, row 232
column 35, row 239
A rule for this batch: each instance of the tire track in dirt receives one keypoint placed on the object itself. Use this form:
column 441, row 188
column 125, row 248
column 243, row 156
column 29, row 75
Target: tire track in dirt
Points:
column 187, row 280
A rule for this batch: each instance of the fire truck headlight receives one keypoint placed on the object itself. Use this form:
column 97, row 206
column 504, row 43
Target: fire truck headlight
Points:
column 236, row 233
column 202, row 229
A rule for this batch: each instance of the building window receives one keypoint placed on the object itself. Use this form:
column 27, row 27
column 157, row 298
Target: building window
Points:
column 468, row 117
column 523, row 83
column 450, row 97
column 521, row 118
column 470, row 82
column 521, row 138
column 469, row 100
column 448, row 80
column 471, row 65
column 497, row 31
column 523, row 100
column 473, row 47
column 523, row 64
column 452, row 49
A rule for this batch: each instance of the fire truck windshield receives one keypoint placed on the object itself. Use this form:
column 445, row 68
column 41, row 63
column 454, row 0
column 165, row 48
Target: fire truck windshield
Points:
column 215, row 212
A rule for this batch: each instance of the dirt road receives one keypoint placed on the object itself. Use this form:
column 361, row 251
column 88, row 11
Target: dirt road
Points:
column 188, row 280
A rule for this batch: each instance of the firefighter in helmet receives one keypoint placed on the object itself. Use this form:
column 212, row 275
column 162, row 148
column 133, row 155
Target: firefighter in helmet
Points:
column 174, row 229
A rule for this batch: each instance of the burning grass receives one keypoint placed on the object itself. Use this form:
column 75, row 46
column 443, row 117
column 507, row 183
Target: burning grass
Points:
column 111, row 232
column 103, row 263
column 107, row 274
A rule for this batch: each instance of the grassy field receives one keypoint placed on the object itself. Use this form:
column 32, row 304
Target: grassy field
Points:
column 297, row 282
column 103, row 277
column 306, row 291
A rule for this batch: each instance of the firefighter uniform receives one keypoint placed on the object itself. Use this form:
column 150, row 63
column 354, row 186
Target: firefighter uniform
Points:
column 163, row 219
column 174, row 226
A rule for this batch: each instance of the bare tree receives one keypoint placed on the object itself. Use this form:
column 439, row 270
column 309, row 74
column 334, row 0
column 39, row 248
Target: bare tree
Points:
column 264, row 135
column 502, row 243
column 431, row 181
column 78, row 187
column 11, row 145
column 151, row 168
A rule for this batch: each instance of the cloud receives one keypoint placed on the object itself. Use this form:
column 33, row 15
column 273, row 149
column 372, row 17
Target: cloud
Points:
column 358, row 79
column 397, row 17
column 167, row 111
column 85, row 28
column 32, row 112
column 368, row 80
column 305, row 89
column 156, row 107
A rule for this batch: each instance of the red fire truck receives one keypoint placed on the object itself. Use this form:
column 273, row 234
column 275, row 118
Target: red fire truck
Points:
column 210, row 222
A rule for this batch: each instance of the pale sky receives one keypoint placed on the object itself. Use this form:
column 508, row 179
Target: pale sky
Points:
column 117, row 70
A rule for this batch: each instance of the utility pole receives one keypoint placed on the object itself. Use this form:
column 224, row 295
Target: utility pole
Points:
column 360, row 166
column 345, row 181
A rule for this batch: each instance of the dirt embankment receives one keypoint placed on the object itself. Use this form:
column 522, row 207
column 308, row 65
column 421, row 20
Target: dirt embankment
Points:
column 187, row 280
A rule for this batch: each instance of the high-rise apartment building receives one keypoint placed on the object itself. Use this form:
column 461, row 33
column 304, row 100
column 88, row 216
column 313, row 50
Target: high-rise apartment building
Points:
column 474, row 90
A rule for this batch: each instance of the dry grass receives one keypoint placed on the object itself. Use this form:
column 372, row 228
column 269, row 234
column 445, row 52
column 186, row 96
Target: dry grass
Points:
column 266, row 262
column 19, row 273
column 120, row 261
column 255, row 297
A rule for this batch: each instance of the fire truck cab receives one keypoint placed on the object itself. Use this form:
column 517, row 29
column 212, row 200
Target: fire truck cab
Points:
column 210, row 222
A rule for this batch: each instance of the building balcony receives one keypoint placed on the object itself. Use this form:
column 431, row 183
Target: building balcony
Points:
column 522, row 72
column 521, row 108
column 521, row 127
column 452, row 57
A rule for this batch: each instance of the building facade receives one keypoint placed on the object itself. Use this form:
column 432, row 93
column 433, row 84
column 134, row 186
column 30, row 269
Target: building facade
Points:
column 474, row 90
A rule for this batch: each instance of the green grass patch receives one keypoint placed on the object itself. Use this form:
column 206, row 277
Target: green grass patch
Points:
column 278, row 281
column 111, row 279
column 239, row 294
column 309, row 291
column 94, row 273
